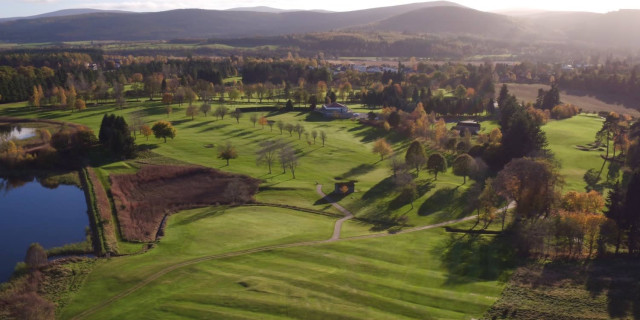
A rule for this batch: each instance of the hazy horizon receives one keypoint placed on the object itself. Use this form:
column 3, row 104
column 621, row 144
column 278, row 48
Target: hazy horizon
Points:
column 18, row 8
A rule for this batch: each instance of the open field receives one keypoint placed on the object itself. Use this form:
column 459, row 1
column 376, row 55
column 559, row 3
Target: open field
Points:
column 529, row 93
column 359, row 279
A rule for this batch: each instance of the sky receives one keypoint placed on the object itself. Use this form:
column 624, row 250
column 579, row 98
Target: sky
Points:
column 17, row 8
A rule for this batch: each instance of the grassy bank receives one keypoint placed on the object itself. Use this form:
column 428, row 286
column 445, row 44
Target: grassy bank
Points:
column 361, row 279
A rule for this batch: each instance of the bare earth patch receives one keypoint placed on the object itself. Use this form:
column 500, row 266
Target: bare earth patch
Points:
column 529, row 93
column 144, row 198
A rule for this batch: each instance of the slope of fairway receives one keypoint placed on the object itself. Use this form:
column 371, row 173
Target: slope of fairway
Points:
column 563, row 137
column 351, row 279
column 195, row 233
column 346, row 156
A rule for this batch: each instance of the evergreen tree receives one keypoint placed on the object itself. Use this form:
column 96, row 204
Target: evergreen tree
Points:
column 523, row 137
column 615, row 211
column 504, row 94
column 632, row 212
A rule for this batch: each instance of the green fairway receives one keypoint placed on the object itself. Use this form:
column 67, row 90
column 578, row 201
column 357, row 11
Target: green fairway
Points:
column 202, row 232
column 346, row 156
column 352, row 279
column 563, row 137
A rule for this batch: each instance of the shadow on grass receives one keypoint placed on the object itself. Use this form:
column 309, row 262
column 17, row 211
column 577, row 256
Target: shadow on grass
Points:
column 316, row 117
column 422, row 188
column 370, row 134
column 356, row 171
column 215, row 211
column 379, row 190
column 472, row 257
column 216, row 127
column 333, row 196
column 200, row 124
column 449, row 203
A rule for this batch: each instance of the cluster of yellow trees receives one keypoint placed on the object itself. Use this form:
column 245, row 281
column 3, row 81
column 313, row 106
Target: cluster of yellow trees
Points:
column 58, row 96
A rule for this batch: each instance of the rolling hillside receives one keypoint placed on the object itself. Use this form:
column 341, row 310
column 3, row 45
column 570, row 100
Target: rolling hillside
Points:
column 620, row 28
column 450, row 20
column 193, row 23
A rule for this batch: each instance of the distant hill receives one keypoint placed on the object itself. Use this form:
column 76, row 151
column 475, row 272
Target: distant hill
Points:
column 61, row 13
column 271, row 10
column 620, row 28
column 451, row 20
column 193, row 23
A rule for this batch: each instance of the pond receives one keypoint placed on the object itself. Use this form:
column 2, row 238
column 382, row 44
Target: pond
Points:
column 30, row 212
column 9, row 132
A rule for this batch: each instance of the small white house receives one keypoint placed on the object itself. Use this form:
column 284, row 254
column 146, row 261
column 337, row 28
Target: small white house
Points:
column 336, row 111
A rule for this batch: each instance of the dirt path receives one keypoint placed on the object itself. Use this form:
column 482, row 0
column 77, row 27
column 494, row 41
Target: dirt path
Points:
column 334, row 238
column 347, row 214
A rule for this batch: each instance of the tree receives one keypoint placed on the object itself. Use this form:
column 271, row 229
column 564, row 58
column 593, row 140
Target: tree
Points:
column 146, row 131
column 115, row 135
column 314, row 135
column 36, row 256
column 253, row 118
column 394, row 119
column 221, row 111
column 299, row 129
column 615, row 211
column 464, row 166
column 313, row 102
column 416, row 157
column 436, row 163
column 280, row 125
column 71, row 97
column 118, row 94
column 205, row 108
column 323, row 137
column 502, row 97
column 523, row 137
column 45, row 135
column 163, row 129
column 288, row 159
column 495, row 136
column 289, row 105
column 80, row 105
column 487, row 202
column 382, row 147
column 290, row 128
column 632, row 212
column 227, row 151
column 237, row 114
column 192, row 111
column 36, row 96
column 410, row 193
column 532, row 184
column 267, row 152
column 167, row 98
column 263, row 121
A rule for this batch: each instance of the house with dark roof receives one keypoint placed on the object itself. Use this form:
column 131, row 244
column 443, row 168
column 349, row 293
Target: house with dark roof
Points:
column 335, row 111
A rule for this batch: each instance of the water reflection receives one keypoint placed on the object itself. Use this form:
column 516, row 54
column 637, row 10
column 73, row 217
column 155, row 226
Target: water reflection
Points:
column 37, row 209
column 9, row 132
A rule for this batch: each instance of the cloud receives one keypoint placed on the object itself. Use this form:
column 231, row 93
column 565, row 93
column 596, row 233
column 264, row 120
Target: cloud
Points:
column 39, row 1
